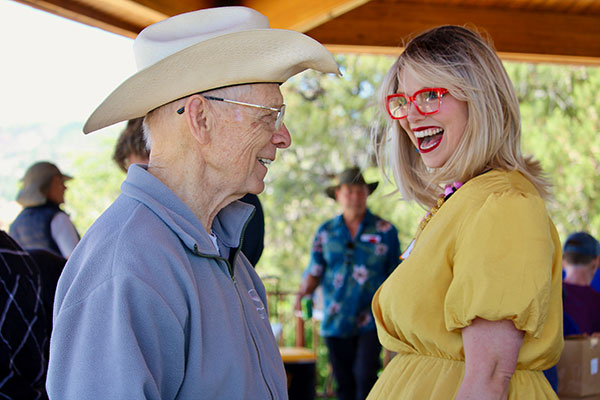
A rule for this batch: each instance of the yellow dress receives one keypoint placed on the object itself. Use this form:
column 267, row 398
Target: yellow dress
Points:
column 491, row 251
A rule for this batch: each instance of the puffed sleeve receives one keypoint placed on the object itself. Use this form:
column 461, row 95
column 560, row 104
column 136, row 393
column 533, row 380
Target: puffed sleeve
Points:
column 502, row 264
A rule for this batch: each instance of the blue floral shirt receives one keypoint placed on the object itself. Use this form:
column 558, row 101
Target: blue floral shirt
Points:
column 351, row 271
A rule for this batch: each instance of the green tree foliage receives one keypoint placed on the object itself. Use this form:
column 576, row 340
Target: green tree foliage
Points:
column 560, row 107
column 96, row 184
column 329, row 119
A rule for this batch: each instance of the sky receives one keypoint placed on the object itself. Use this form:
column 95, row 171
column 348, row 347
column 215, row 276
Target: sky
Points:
column 54, row 70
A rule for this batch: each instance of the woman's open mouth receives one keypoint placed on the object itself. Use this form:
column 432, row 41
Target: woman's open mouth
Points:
column 429, row 138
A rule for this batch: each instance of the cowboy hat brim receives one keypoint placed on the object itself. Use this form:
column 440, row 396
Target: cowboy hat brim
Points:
column 330, row 191
column 253, row 56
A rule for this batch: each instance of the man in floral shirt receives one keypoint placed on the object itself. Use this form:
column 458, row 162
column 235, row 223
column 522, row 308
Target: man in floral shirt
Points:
column 352, row 255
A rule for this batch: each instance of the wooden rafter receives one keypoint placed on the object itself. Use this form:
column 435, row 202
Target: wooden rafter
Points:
column 517, row 33
column 302, row 15
column 532, row 30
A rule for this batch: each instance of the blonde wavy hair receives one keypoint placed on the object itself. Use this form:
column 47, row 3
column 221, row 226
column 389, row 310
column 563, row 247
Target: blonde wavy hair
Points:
column 460, row 60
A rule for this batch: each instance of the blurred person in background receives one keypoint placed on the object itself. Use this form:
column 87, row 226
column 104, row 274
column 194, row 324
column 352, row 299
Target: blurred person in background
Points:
column 131, row 146
column 42, row 224
column 352, row 255
column 581, row 259
column 253, row 243
column 26, row 307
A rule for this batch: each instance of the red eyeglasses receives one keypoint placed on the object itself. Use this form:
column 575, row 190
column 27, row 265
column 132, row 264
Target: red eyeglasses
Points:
column 427, row 101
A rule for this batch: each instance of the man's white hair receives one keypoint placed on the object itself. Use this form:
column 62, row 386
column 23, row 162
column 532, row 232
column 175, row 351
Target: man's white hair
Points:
column 167, row 111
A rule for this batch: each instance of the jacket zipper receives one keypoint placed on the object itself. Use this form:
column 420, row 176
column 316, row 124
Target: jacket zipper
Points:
column 231, row 274
column 230, row 269
column 253, row 340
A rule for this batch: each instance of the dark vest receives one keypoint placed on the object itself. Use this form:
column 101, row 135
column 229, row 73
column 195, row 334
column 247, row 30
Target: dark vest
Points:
column 31, row 228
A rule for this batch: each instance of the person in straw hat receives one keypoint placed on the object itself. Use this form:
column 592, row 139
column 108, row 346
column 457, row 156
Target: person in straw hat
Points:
column 352, row 255
column 42, row 224
column 157, row 301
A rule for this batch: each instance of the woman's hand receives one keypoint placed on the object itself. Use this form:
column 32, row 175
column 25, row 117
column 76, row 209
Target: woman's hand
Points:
column 491, row 353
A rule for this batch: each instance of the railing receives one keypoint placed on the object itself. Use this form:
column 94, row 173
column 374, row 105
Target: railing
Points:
column 291, row 330
column 294, row 331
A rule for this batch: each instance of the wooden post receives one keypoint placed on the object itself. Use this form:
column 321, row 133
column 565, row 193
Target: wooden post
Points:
column 300, row 339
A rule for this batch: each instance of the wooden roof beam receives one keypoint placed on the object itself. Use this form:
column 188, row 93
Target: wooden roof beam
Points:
column 528, row 35
column 123, row 17
column 302, row 15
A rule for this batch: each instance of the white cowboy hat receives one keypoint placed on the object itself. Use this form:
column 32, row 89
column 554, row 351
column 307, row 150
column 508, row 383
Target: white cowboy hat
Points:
column 203, row 50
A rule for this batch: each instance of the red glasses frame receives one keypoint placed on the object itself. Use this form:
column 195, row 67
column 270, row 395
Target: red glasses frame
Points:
column 411, row 99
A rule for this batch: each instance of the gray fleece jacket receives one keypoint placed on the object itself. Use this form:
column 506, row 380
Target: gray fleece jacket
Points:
column 146, row 307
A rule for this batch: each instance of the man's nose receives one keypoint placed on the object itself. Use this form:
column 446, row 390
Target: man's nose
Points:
column 282, row 138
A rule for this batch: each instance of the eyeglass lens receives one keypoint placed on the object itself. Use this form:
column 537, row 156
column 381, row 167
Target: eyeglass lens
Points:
column 427, row 102
column 279, row 119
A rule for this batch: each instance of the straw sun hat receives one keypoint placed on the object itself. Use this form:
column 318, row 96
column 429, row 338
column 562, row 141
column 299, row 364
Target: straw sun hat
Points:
column 203, row 50
column 36, row 179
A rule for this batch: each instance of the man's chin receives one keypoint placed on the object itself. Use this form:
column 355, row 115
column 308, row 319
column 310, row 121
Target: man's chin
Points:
column 257, row 188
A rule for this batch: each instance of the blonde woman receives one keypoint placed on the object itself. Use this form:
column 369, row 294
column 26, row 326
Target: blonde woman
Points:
column 474, row 311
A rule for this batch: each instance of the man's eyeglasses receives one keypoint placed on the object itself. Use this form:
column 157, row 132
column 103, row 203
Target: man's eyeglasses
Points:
column 280, row 111
column 427, row 101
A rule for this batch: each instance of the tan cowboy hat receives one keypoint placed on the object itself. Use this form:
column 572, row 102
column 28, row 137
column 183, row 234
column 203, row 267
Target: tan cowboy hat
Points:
column 350, row 176
column 204, row 50
column 36, row 179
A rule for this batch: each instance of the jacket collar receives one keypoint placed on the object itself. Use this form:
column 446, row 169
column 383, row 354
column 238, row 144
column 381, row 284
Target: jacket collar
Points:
column 228, row 224
column 339, row 220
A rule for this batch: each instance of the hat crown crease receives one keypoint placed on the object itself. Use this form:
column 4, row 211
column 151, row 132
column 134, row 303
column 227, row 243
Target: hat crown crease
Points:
column 168, row 37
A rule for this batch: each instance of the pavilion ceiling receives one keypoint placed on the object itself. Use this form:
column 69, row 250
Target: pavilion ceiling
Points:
column 565, row 31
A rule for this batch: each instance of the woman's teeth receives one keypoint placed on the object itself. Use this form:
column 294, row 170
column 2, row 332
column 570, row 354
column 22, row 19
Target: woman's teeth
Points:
column 427, row 132
column 429, row 139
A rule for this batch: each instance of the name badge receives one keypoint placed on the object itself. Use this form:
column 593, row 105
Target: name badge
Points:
column 370, row 238
column 406, row 253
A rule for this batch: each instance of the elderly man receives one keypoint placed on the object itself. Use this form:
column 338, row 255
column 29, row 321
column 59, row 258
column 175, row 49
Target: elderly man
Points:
column 157, row 301
column 352, row 255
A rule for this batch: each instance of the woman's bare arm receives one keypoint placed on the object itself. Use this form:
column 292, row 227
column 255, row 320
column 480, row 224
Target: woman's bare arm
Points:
column 491, row 353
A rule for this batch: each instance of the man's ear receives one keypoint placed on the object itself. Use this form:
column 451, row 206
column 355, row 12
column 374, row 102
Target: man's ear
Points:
column 197, row 116
column 336, row 192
